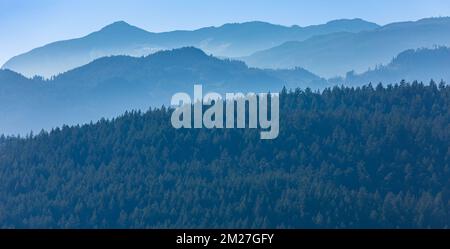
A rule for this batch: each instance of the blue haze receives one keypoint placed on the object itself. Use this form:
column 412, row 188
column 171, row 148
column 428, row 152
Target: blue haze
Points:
column 25, row 24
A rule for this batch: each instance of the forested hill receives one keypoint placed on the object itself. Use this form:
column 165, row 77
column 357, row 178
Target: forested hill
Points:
column 109, row 86
column 368, row 157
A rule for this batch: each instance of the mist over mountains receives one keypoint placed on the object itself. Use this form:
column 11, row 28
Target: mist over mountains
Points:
column 329, row 50
column 349, row 154
column 335, row 54
column 110, row 86
column 121, row 38
column 414, row 64
column 95, row 86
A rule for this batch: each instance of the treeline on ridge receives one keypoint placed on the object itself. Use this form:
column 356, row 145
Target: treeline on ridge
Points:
column 365, row 157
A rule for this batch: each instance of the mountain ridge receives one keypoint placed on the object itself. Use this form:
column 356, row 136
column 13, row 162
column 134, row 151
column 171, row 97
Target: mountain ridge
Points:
column 335, row 54
column 228, row 40
column 109, row 86
column 422, row 64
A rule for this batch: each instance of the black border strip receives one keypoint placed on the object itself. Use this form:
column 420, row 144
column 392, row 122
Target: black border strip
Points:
column 168, row 237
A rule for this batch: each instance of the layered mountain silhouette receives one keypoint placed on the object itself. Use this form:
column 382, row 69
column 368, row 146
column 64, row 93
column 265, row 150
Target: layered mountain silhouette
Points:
column 110, row 86
column 120, row 38
column 335, row 54
column 415, row 64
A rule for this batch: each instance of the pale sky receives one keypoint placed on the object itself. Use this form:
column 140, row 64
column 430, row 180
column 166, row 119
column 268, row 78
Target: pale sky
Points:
column 26, row 24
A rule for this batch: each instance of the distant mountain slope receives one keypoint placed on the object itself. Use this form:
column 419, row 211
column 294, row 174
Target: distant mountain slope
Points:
column 421, row 65
column 110, row 86
column 120, row 38
column 335, row 54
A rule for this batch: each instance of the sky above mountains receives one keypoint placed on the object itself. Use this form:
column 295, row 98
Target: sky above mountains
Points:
column 25, row 25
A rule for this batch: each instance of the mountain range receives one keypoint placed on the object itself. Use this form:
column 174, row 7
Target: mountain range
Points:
column 92, row 88
column 329, row 50
column 110, row 86
column 335, row 54
column 121, row 38
column 349, row 154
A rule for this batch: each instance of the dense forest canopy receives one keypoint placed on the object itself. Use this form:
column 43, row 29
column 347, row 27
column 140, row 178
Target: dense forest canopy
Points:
column 366, row 157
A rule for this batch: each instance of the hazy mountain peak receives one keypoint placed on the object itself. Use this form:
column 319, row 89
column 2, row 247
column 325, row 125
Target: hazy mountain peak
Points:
column 347, row 20
column 120, row 27
column 192, row 51
column 121, row 38
column 118, row 24
column 353, row 22
column 250, row 23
